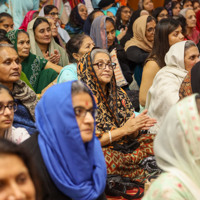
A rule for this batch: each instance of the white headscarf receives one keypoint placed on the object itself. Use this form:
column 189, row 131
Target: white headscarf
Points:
column 177, row 144
column 164, row 91
column 52, row 46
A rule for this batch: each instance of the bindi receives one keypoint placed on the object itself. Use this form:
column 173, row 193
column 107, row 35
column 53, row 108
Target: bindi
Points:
column 86, row 103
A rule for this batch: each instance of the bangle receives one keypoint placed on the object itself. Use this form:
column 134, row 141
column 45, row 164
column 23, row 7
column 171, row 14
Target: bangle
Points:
column 110, row 137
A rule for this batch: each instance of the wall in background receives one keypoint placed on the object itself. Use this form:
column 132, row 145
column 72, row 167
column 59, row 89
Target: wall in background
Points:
column 134, row 3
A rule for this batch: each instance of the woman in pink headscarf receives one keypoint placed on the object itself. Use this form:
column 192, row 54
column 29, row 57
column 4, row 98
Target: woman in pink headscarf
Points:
column 28, row 17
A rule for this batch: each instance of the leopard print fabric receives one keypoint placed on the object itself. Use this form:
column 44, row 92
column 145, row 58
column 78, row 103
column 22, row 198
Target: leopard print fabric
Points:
column 115, row 108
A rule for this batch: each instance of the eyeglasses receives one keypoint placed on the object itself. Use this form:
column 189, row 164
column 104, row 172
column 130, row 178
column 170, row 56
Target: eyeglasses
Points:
column 11, row 106
column 151, row 30
column 102, row 65
column 81, row 111
column 54, row 13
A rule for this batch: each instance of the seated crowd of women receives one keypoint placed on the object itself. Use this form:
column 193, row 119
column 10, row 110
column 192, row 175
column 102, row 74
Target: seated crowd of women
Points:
column 70, row 85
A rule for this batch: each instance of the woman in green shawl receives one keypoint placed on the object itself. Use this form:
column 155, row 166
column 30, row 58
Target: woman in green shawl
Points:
column 39, row 71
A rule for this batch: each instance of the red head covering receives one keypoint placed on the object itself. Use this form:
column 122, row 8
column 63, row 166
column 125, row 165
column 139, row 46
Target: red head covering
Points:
column 198, row 20
column 28, row 17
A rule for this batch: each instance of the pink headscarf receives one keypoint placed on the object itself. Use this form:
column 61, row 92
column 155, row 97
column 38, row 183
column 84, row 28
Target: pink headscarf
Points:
column 28, row 17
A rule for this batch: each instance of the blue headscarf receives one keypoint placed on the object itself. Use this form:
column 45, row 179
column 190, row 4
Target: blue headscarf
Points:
column 77, row 169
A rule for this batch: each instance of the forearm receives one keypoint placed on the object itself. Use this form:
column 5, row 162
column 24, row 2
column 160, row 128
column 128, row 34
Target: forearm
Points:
column 57, row 68
column 143, row 95
column 116, row 134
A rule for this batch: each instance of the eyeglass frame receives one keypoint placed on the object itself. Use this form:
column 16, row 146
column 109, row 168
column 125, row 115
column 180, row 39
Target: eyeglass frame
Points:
column 106, row 64
column 13, row 109
column 92, row 111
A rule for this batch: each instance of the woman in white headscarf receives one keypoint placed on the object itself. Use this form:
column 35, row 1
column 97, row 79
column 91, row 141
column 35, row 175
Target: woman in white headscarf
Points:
column 177, row 151
column 43, row 44
column 164, row 91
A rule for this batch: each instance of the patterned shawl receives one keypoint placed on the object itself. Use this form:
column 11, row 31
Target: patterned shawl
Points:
column 177, row 145
column 191, row 83
column 27, row 96
column 115, row 108
column 33, row 66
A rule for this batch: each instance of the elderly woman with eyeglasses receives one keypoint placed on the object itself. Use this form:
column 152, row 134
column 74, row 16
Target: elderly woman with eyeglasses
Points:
column 117, row 126
column 7, row 109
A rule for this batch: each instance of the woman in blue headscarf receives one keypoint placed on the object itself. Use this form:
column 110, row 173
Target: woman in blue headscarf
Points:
column 68, row 155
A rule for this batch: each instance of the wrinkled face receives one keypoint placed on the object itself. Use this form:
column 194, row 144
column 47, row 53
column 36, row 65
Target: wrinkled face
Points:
column 125, row 14
column 196, row 7
column 190, row 19
column 54, row 14
column 188, row 5
column 110, row 31
column 104, row 75
column 43, row 33
column 176, row 10
column 175, row 36
column 191, row 57
column 150, row 31
column 7, row 24
column 6, row 118
column 82, row 102
column 86, row 46
column 54, row 29
column 148, row 5
column 23, row 45
column 15, row 181
column 10, row 67
column 163, row 15
column 82, row 10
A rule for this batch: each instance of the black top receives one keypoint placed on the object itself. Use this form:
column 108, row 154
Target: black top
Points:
column 136, row 56
column 48, row 188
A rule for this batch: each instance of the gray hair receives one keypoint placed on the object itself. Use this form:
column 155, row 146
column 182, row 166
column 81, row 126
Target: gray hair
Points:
column 6, row 45
column 184, row 11
column 188, row 44
column 95, row 51
column 79, row 87
column 2, row 45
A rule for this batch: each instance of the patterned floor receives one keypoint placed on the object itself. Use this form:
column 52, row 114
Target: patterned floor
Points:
column 132, row 192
